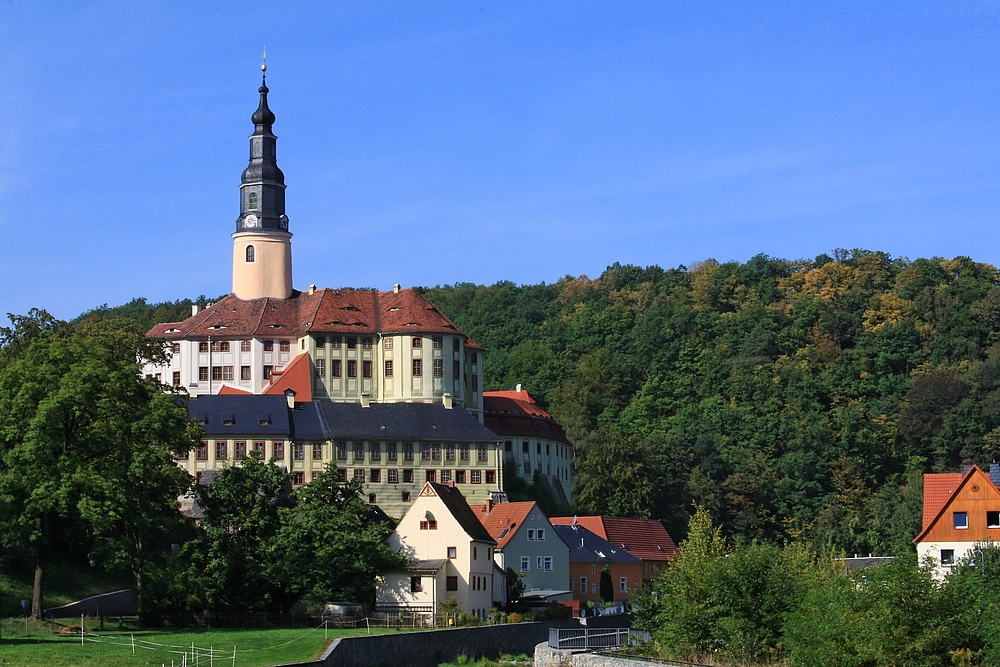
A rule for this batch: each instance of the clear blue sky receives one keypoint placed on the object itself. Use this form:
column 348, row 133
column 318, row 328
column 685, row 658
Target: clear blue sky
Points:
column 433, row 143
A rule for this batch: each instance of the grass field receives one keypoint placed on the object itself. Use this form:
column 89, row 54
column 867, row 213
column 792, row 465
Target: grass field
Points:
column 156, row 648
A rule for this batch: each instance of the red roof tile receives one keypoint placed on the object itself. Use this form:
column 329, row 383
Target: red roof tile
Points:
column 297, row 376
column 938, row 489
column 517, row 413
column 226, row 389
column 646, row 539
column 504, row 517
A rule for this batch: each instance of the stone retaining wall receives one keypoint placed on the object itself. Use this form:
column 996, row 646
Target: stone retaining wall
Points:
column 545, row 656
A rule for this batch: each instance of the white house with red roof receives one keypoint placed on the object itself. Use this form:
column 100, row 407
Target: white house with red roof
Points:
column 645, row 539
column 527, row 544
column 534, row 442
column 451, row 557
column 961, row 511
column 326, row 344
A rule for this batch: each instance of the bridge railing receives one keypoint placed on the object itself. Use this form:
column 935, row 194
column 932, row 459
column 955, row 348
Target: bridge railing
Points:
column 592, row 639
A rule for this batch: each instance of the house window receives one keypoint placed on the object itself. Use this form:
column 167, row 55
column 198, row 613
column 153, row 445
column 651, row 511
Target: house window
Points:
column 359, row 474
column 203, row 346
column 244, row 346
column 491, row 478
column 298, row 478
column 335, row 341
column 993, row 519
column 583, row 585
column 463, row 452
column 418, row 367
column 449, row 452
column 220, row 449
column 177, row 378
column 375, row 450
column 258, row 446
column 341, row 451
column 335, row 368
column 460, row 477
column 175, row 348
column 366, row 369
column 317, row 451
column 388, row 368
column 417, row 341
column 244, row 372
column 438, row 342
column 572, row 585
column 352, row 369
column 538, row 564
column 541, row 534
column 267, row 372
column 947, row 556
column 436, row 452
column 202, row 452
column 320, row 368
column 428, row 525
column 407, row 475
column 352, row 343
column 452, row 552
column 393, row 476
column 475, row 477
column 531, row 534
column 547, row 563
column 359, row 451
column 203, row 373
column 342, row 474
column 961, row 520
column 183, row 456
column 278, row 449
column 525, row 564
column 406, row 496
column 375, row 475
column 593, row 589
column 319, row 341
column 250, row 254
column 431, row 476
column 284, row 345
column 481, row 452
column 315, row 475
column 390, row 451
column 298, row 451
column 623, row 585
column 475, row 358
column 240, row 448
column 268, row 345
column 415, row 586
column 438, row 367
column 425, row 452
column 527, row 469
column 456, row 370
column 451, row 584
column 445, row 476
column 387, row 343
column 366, row 343
column 217, row 372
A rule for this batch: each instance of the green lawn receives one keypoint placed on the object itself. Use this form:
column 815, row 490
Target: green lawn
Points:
column 156, row 648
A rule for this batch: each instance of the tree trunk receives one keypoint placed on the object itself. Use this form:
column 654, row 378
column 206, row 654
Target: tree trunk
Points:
column 36, row 592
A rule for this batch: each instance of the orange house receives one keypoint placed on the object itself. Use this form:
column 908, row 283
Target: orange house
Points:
column 961, row 511
column 591, row 559
column 646, row 539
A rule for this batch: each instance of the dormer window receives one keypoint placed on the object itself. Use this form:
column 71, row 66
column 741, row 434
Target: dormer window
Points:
column 250, row 254
column 252, row 201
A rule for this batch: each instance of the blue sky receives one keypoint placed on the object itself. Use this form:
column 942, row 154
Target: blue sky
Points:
column 434, row 143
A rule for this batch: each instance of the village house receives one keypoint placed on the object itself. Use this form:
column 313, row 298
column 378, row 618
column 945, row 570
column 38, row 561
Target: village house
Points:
column 595, row 565
column 646, row 539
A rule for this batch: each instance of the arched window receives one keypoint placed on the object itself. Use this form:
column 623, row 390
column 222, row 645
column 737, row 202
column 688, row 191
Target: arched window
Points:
column 250, row 254
column 252, row 201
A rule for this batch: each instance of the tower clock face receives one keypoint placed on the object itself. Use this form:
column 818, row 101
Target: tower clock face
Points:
column 250, row 221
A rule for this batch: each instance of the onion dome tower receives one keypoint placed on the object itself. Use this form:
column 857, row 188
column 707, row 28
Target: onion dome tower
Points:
column 262, row 244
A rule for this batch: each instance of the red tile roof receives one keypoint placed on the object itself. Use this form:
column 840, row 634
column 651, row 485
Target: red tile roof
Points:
column 297, row 376
column 324, row 311
column 226, row 389
column 504, row 517
column 938, row 489
column 517, row 413
column 646, row 539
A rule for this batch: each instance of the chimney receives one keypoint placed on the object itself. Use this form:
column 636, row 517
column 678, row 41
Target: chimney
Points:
column 451, row 484
column 995, row 473
column 195, row 308
column 312, row 289
column 290, row 398
column 518, row 387
column 193, row 393
column 489, row 506
column 966, row 466
column 366, row 401
column 395, row 288
column 446, row 401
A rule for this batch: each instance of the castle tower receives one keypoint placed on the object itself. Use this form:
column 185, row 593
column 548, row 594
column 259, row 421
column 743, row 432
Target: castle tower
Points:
column 262, row 245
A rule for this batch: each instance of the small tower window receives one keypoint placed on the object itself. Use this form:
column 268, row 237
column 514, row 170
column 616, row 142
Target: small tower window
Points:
column 250, row 254
column 252, row 201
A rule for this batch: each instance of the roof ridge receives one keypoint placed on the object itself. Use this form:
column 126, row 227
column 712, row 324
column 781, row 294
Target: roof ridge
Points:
column 378, row 312
column 260, row 316
column 312, row 318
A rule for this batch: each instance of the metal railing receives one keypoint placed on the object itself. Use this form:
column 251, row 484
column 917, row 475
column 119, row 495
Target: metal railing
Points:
column 591, row 639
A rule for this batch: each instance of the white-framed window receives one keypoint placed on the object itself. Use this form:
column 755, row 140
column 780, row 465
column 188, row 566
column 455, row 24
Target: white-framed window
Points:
column 541, row 534
column 993, row 519
column 547, row 563
column 947, row 556
column 961, row 520
column 250, row 254
column 531, row 534
column 525, row 564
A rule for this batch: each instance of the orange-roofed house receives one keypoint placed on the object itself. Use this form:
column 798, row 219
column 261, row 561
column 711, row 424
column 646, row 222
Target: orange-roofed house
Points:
column 646, row 539
column 527, row 544
column 961, row 510
column 534, row 442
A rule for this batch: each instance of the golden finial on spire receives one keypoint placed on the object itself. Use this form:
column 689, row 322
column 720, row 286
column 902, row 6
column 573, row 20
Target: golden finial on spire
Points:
column 263, row 65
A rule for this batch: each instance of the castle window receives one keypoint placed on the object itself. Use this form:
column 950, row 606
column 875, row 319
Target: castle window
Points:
column 388, row 368
column 252, row 201
column 335, row 368
column 387, row 343
column 417, row 366
column 250, row 254
column 352, row 343
column 438, row 367
column 366, row 343
column 244, row 346
column 320, row 368
column 284, row 346
column 352, row 369
column 175, row 348
column 268, row 345
column 438, row 342
column 366, row 369
column 417, row 341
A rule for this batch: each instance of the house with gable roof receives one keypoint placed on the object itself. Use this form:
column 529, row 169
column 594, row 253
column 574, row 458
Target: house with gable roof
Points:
column 646, row 539
column 593, row 558
column 961, row 510
column 451, row 557
column 527, row 543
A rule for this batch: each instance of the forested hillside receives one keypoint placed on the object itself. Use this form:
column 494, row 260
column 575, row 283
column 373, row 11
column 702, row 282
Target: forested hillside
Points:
column 792, row 399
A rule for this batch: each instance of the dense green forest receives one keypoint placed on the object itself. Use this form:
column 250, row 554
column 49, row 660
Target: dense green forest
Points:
column 794, row 400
